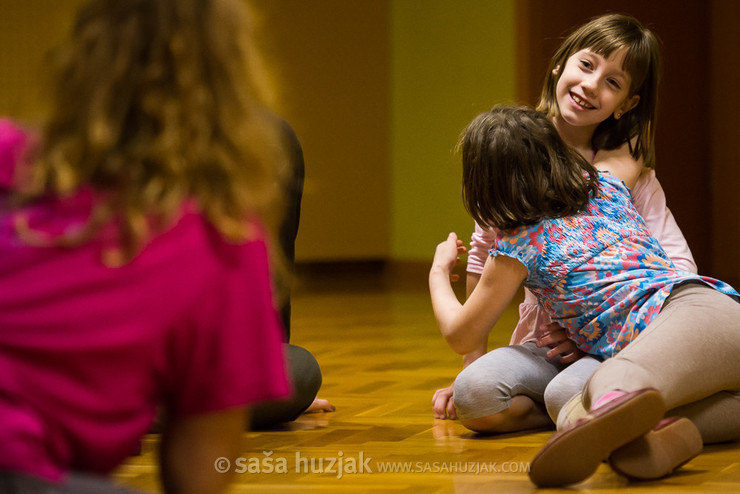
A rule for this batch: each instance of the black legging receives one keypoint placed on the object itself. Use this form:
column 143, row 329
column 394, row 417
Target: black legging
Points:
column 304, row 368
column 75, row 483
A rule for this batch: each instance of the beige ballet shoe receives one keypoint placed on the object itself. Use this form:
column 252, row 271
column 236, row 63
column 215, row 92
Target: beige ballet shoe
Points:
column 672, row 443
column 575, row 453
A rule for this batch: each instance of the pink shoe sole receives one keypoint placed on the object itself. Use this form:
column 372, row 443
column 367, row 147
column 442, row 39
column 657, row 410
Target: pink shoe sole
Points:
column 660, row 452
column 574, row 453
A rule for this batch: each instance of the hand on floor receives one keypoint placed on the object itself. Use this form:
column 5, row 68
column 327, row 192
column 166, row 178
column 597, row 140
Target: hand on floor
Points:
column 443, row 405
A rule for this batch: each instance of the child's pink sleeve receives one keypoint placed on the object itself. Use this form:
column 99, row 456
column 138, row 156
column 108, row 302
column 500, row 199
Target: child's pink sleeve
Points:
column 480, row 242
column 649, row 200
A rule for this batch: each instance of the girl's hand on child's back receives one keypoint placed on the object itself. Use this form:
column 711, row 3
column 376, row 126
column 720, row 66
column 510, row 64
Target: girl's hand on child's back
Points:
column 555, row 337
column 446, row 257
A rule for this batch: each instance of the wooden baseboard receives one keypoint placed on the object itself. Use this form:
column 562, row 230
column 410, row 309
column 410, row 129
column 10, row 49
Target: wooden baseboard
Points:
column 339, row 275
column 376, row 274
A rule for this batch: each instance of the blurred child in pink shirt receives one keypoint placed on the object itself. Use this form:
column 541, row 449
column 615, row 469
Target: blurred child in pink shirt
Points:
column 134, row 260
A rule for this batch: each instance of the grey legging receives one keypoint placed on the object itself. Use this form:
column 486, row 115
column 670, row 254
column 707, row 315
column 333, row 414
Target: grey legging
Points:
column 486, row 386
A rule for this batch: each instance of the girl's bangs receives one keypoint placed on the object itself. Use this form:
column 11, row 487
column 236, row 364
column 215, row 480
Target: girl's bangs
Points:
column 605, row 43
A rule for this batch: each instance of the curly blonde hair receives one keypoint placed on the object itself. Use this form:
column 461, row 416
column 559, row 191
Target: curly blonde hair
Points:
column 157, row 102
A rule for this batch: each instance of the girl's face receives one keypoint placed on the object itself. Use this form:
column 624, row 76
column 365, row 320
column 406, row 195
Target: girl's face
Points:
column 591, row 88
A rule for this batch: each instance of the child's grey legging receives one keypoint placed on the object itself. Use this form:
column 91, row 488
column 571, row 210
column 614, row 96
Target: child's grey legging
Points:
column 487, row 385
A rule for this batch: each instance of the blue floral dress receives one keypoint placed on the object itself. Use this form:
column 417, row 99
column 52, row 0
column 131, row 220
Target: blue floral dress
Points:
column 599, row 273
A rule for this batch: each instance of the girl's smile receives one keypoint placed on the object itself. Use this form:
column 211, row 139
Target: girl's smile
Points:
column 581, row 101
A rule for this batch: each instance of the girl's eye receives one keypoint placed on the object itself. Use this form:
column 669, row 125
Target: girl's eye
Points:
column 614, row 83
column 586, row 64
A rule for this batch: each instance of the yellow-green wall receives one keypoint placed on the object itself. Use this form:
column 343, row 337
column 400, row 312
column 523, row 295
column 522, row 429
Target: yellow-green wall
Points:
column 330, row 65
column 377, row 91
column 450, row 61
column 28, row 30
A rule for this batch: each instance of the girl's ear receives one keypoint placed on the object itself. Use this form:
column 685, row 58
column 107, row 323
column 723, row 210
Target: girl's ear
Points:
column 628, row 104
column 556, row 69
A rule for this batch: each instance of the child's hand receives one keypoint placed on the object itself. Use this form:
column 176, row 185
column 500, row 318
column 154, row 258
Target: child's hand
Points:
column 443, row 405
column 555, row 337
column 447, row 255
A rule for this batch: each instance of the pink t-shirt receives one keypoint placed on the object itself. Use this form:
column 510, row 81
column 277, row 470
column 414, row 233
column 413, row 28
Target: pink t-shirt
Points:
column 649, row 200
column 87, row 352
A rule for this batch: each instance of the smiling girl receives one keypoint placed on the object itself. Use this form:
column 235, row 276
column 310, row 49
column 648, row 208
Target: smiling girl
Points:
column 601, row 95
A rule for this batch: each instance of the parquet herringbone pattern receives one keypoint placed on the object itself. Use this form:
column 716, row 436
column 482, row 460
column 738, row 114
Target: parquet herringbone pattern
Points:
column 382, row 358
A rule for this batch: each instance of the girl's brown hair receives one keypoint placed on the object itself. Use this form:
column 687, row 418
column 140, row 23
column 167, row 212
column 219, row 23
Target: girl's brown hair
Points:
column 604, row 35
column 156, row 103
column 518, row 171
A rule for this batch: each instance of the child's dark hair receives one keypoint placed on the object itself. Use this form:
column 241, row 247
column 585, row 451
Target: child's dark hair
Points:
column 518, row 171
column 604, row 35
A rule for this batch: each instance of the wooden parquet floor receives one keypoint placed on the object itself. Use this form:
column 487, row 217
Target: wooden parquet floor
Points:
column 382, row 358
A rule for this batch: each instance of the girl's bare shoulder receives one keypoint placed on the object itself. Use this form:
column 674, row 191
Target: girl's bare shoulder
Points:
column 620, row 163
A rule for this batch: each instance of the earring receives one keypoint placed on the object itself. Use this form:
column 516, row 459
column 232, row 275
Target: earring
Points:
column 617, row 115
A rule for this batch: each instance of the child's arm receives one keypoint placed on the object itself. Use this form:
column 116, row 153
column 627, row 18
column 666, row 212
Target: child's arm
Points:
column 531, row 315
column 191, row 445
column 480, row 242
column 465, row 327
column 442, row 404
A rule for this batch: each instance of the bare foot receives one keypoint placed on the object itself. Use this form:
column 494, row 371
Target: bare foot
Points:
column 320, row 405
